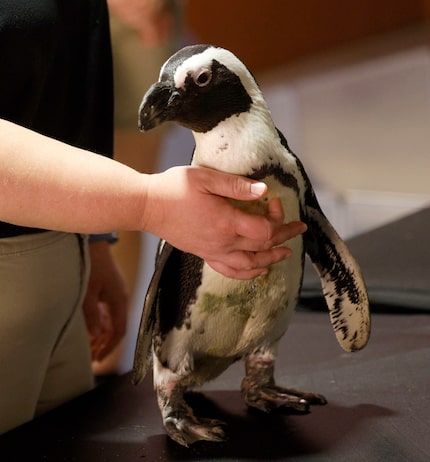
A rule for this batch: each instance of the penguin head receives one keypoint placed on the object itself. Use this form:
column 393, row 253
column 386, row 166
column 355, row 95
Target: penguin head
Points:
column 199, row 87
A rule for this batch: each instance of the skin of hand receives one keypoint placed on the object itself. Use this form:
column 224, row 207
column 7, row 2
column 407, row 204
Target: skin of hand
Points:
column 188, row 206
column 105, row 304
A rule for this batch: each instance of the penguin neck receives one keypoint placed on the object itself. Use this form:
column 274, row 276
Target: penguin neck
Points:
column 238, row 144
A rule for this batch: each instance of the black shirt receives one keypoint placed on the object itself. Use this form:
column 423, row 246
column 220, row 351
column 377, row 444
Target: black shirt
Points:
column 56, row 73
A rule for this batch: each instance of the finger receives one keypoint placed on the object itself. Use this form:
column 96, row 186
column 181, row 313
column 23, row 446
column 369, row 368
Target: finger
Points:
column 266, row 258
column 248, row 265
column 261, row 227
column 96, row 347
column 105, row 344
column 104, row 350
column 234, row 273
column 286, row 232
column 251, row 226
column 233, row 186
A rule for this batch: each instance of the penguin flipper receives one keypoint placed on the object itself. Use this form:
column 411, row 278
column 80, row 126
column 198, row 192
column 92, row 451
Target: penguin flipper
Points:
column 341, row 279
column 142, row 354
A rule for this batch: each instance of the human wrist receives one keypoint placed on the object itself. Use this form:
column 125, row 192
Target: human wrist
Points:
column 150, row 204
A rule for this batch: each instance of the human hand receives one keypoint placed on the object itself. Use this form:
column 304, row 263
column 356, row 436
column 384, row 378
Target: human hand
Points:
column 105, row 304
column 188, row 207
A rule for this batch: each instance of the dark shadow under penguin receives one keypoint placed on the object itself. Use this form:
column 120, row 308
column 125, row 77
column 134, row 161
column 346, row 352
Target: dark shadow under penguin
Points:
column 198, row 322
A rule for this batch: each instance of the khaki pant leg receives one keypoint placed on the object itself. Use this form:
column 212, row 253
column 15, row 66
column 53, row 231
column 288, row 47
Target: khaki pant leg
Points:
column 44, row 351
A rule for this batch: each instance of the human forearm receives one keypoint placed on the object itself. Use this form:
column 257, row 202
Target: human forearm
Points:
column 49, row 184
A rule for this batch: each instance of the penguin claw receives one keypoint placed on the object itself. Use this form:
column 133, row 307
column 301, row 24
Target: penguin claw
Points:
column 270, row 397
column 186, row 429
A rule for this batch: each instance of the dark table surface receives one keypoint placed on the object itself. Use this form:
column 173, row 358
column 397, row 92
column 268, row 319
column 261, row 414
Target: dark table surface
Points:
column 378, row 399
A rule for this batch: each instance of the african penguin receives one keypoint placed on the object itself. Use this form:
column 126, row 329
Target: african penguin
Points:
column 198, row 322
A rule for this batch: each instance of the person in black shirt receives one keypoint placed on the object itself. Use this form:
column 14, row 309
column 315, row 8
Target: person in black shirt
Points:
column 56, row 79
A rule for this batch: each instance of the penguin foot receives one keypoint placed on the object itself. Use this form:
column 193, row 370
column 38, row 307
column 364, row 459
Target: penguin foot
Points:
column 260, row 391
column 179, row 420
column 269, row 397
column 187, row 429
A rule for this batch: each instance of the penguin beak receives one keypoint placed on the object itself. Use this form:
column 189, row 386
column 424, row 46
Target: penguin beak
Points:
column 158, row 106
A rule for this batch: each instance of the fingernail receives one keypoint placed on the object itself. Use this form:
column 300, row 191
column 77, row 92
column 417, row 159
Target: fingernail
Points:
column 258, row 189
column 303, row 227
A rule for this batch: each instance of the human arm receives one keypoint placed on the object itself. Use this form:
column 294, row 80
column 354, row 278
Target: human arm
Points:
column 48, row 184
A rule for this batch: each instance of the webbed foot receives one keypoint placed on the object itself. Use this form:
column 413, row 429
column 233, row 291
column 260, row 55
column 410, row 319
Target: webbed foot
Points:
column 188, row 429
column 267, row 397
column 180, row 422
column 260, row 391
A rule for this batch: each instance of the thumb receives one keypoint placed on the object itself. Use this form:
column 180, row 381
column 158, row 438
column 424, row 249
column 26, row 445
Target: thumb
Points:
column 235, row 186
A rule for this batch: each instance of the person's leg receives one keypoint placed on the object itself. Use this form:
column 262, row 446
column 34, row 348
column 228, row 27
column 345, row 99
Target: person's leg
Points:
column 44, row 352
column 69, row 372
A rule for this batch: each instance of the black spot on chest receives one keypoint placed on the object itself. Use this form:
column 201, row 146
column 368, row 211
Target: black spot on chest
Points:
column 287, row 179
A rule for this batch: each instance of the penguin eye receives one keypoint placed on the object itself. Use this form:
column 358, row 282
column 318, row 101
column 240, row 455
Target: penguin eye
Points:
column 202, row 77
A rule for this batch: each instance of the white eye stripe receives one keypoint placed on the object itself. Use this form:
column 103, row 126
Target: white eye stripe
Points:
column 204, row 61
column 192, row 66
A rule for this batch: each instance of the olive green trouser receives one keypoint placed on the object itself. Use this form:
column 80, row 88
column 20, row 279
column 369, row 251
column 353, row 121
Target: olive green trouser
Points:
column 44, row 350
